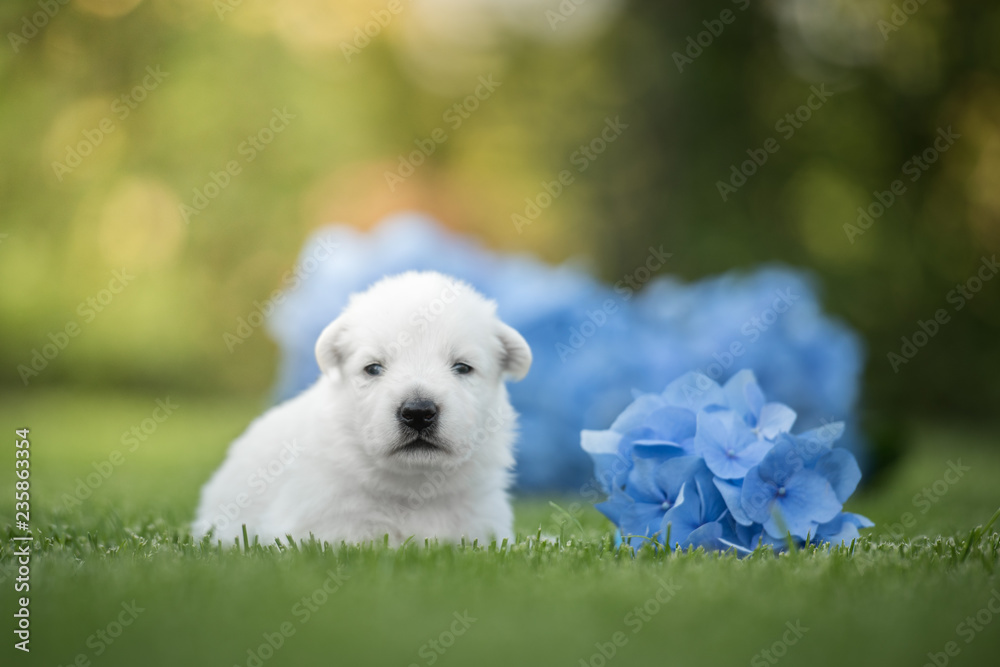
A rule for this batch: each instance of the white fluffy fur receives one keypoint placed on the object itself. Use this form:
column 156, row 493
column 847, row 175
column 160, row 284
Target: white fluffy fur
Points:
column 329, row 462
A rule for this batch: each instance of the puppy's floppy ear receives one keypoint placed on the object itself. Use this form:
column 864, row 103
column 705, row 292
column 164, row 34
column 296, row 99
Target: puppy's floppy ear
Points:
column 330, row 345
column 516, row 358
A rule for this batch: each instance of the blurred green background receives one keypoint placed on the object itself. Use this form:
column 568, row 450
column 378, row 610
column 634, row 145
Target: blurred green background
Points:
column 361, row 103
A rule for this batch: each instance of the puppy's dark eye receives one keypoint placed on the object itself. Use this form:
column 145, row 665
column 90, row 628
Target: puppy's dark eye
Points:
column 461, row 369
column 374, row 369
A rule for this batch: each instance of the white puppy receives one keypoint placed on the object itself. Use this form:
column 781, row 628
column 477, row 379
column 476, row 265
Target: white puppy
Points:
column 408, row 431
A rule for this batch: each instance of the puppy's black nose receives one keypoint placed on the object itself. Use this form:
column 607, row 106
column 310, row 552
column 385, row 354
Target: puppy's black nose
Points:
column 418, row 413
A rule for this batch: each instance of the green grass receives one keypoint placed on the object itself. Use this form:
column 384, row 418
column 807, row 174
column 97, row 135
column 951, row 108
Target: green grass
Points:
column 900, row 593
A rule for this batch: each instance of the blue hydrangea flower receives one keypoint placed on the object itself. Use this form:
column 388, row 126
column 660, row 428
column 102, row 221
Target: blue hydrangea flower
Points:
column 716, row 467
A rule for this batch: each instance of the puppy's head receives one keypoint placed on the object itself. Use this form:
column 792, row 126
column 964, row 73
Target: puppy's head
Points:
column 424, row 358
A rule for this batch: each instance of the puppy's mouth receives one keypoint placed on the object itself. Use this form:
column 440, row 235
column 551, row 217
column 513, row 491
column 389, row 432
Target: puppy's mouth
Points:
column 418, row 445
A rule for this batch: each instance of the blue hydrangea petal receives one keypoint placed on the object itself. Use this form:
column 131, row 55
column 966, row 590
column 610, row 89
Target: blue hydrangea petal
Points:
column 600, row 442
column 751, row 536
column 731, row 492
column 713, row 505
column 836, row 532
column 642, row 482
column 641, row 519
column 757, row 496
column 694, row 391
column 808, row 500
column 731, row 539
column 841, row 469
column 639, row 434
column 782, row 461
column 708, row 535
column 813, row 444
column 610, row 470
column 824, row 435
column 672, row 475
column 749, row 456
column 739, row 548
column 683, row 518
column 636, row 414
column 672, row 424
column 775, row 418
column 744, row 396
column 615, row 506
column 727, row 444
column 658, row 450
column 842, row 529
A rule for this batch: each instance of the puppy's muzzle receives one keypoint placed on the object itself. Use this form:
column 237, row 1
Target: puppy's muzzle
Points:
column 419, row 414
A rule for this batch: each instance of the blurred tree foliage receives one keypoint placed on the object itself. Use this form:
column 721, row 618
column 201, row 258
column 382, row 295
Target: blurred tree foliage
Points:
column 358, row 111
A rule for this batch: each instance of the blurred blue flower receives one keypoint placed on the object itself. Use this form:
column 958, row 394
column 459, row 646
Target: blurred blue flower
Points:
column 699, row 465
column 594, row 345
